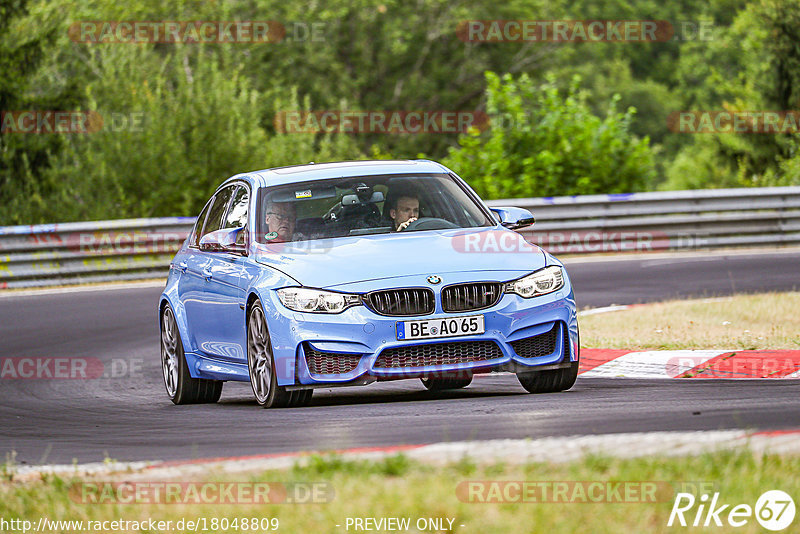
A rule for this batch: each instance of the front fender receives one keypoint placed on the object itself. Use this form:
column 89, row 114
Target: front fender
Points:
column 261, row 283
column 170, row 296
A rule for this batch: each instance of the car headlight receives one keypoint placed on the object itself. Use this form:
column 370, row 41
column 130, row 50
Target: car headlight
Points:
column 541, row 282
column 303, row 299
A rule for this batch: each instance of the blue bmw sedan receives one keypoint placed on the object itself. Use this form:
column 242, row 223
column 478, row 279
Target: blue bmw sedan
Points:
column 343, row 274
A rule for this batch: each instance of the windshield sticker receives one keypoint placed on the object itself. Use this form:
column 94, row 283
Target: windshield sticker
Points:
column 303, row 194
column 271, row 235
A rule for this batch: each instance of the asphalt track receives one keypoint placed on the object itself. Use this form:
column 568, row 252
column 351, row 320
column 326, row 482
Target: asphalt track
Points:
column 130, row 418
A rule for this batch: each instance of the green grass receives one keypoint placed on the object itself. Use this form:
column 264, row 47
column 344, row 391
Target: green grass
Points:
column 400, row 487
column 742, row 322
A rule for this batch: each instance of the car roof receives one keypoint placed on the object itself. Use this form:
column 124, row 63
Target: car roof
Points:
column 322, row 171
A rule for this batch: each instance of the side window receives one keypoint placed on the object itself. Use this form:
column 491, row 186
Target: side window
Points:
column 237, row 215
column 194, row 240
column 217, row 211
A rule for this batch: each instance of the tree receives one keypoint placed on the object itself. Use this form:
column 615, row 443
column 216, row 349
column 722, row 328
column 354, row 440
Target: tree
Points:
column 754, row 65
column 24, row 157
column 544, row 142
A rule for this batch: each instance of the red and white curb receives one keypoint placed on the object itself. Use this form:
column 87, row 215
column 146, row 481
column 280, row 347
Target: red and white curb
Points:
column 612, row 363
column 690, row 363
column 515, row 451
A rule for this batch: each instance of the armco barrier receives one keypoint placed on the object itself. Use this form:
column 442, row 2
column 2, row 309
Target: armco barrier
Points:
column 132, row 249
column 68, row 253
column 672, row 220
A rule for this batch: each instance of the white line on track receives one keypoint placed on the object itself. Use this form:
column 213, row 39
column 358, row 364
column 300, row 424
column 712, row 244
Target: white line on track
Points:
column 670, row 257
column 113, row 286
column 605, row 309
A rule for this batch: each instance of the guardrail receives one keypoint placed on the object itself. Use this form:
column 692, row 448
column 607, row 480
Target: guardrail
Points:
column 671, row 220
column 130, row 249
column 100, row 251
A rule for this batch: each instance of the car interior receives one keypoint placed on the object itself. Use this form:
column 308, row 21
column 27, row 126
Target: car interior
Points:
column 361, row 206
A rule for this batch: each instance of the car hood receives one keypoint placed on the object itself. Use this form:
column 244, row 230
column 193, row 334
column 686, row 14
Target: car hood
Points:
column 328, row 263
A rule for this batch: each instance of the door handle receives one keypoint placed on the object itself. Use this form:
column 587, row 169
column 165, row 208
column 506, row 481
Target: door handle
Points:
column 207, row 275
column 183, row 266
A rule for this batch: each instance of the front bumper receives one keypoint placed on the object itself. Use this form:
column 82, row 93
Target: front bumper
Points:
column 360, row 336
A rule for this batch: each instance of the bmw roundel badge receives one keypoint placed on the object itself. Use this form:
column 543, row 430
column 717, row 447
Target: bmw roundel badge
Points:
column 433, row 279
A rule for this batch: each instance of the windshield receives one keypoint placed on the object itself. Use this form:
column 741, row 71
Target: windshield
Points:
column 365, row 205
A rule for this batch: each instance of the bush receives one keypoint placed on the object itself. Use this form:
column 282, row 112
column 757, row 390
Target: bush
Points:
column 545, row 142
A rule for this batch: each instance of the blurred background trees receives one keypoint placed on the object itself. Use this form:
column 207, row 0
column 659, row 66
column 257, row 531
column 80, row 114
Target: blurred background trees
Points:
column 565, row 118
column 547, row 141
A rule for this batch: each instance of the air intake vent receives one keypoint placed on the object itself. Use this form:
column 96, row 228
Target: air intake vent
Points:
column 541, row 345
column 329, row 363
column 469, row 297
column 402, row 302
column 438, row 354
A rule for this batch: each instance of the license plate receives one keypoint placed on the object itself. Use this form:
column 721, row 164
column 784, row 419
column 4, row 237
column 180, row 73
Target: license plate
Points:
column 442, row 327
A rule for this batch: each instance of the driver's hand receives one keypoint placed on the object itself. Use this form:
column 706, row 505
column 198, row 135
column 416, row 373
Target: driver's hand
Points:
column 404, row 225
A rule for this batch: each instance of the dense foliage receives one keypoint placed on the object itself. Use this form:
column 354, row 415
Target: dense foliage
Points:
column 545, row 142
column 565, row 118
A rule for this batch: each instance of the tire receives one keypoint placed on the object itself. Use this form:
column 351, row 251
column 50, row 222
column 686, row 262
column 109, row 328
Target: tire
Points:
column 261, row 366
column 553, row 380
column 181, row 387
column 549, row 381
column 445, row 383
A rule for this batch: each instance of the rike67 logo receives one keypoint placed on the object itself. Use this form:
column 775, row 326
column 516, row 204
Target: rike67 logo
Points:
column 774, row 510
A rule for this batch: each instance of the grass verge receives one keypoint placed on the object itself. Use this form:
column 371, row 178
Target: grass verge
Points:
column 742, row 322
column 400, row 488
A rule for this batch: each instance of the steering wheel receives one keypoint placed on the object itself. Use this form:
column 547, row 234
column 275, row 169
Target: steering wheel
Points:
column 430, row 223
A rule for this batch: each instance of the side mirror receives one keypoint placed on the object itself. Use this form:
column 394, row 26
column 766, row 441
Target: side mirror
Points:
column 223, row 241
column 513, row 218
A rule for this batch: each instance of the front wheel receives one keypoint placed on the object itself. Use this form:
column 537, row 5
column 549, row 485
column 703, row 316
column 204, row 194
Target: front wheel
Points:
column 261, row 365
column 181, row 387
column 553, row 380
column 549, row 381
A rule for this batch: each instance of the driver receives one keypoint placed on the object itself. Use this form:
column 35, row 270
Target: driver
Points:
column 280, row 218
column 404, row 211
